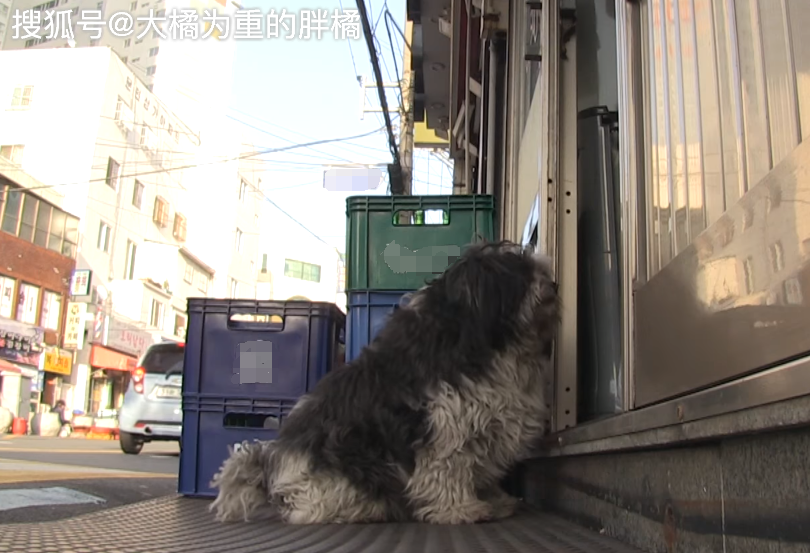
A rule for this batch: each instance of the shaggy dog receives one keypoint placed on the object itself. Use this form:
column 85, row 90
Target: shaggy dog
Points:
column 430, row 416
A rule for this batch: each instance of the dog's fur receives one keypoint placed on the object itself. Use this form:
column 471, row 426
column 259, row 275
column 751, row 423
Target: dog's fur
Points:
column 429, row 417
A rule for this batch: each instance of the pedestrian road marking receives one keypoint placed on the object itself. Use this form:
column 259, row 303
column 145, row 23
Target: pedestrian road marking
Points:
column 20, row 498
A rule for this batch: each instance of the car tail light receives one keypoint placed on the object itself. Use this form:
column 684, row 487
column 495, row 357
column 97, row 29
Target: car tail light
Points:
column 137, row 379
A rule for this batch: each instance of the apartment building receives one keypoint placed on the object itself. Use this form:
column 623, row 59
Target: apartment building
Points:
column 297, row 265
column 5, row 18
column 38, row 247
column 121, row 160
column 178, row 69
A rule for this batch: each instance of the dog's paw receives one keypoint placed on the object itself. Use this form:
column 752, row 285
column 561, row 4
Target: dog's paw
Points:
column 504, row 506
column 467, row 513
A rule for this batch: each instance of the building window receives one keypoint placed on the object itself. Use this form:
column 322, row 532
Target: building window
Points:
column 234, row 288
column 133, row 6
column 151, row 70
column 28, row 219
column 154, row 51
column 302, row 271
column 11, row 210
column 148, row 138
column 793, row 292
column 774, row 197
column 21, row 99
column 179, row 231
column 264, row 262
column 36, row 221
column 238, row 240
column 160, row 215
column 777, row 254
column 13, row 153
column 129, row 269
column 7, row 296
column 179, row 325
column 156, row 314
column 104, row 237
column 243, row 187
column 44, row 214
column 113, row 172
column 137, row 194
column 188, row 275
column 51, row 310
column 748, row 274
column 67, row 238
column 28, row 299
column 128, row 41
column 202, row 282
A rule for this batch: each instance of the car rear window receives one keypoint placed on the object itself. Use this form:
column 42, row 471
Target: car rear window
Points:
column 163, row 358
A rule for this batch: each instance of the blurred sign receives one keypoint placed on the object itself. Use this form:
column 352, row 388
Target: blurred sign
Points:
column 127, row 338
column 20, row 343
column 80, row 282
column 74, row 325
column 352, row 179
column 58, row 361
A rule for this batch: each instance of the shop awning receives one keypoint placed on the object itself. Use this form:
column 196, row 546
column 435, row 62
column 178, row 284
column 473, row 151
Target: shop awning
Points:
column 6, row 367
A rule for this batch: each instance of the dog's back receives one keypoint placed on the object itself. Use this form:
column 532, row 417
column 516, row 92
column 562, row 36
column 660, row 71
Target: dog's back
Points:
column 360, row 427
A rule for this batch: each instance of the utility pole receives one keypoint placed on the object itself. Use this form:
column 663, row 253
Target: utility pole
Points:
column 406, row 117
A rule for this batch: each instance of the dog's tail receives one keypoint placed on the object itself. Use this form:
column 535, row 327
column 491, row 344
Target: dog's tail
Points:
column 243, row 481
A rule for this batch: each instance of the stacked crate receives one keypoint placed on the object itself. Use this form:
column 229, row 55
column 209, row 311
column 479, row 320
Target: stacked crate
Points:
column 246, row 364
column 396, row 244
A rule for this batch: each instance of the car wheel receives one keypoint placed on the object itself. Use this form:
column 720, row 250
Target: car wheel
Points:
column 129, row 443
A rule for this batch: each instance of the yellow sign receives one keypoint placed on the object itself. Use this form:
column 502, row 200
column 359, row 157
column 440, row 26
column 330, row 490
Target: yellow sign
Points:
column 58, row 362
column 424, row 137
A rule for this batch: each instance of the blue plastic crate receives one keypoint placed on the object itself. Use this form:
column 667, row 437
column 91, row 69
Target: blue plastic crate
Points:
column 211, row 424
column 368, row 313
column 227, row 343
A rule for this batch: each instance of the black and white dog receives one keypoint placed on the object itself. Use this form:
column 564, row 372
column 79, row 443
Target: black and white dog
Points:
column 427, row 420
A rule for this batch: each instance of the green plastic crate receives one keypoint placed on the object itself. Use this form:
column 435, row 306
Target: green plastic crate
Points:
column 384, row 254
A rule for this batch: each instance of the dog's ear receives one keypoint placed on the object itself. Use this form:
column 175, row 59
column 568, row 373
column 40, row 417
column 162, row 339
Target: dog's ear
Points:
column 486, row 288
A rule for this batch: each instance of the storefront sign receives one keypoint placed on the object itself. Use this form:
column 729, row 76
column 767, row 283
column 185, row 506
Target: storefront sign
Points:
column 58, row 361
column 80, row 282
column 20, row 343
column 104, row 358
column 74, row 325
column 126, row 337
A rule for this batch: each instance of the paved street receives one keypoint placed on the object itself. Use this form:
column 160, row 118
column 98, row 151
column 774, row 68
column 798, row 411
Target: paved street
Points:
column 71, row 465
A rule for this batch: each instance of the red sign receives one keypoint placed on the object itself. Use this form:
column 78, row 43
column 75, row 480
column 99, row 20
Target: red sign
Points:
column 104, row 358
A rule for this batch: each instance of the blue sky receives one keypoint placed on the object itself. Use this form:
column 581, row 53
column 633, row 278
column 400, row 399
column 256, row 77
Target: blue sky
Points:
column 303, row 90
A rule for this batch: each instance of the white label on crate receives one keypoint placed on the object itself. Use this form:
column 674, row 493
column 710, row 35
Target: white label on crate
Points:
column 255, row 362
column 430, row 259
column 239, row 445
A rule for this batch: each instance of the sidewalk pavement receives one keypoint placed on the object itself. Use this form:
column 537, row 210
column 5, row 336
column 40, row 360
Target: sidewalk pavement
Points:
column 16, row 472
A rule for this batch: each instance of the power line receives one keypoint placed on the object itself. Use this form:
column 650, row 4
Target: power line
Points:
column 351, row 50
column 308, row 137
column 193, row 165
column 396, row 184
